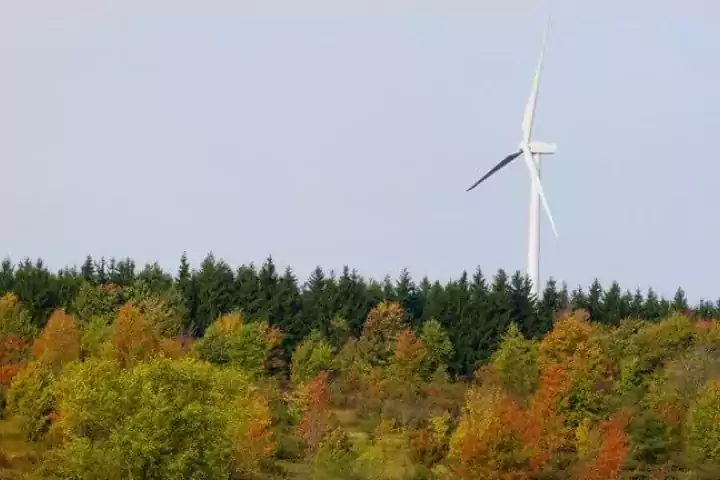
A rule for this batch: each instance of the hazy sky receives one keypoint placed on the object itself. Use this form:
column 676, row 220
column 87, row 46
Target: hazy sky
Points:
column 346, row 132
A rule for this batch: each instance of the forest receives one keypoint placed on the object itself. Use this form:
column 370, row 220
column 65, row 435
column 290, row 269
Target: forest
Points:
column 115, row 371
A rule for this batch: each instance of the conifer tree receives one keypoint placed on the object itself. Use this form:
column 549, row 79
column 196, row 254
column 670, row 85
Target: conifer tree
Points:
column 352, row 300
column 680, row 303
column 612, row 311
column 594, row 301
column 407, row 295
column 185, row 286
column 88, row 270
column 651, row 308
column 523, row 305
column 548, row 305
column 216, row 294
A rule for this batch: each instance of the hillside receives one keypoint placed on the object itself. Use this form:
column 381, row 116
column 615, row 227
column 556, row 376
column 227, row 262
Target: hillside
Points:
column 108, row 372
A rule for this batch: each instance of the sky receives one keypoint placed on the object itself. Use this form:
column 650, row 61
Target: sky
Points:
column 331, row 133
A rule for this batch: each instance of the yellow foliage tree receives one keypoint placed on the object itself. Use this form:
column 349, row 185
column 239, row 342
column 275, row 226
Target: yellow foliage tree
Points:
column 59, row 341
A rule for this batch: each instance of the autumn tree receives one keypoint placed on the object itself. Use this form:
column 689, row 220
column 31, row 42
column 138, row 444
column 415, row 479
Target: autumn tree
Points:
column 59, row 341
column 133, row 338
column 233, row 342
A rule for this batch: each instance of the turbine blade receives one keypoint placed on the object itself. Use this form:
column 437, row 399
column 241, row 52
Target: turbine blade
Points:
column 538, row 185
column 529, row 116
column 497, row 167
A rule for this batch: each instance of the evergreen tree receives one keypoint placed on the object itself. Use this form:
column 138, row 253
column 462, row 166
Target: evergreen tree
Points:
column 247, row 290
column 578, row 299
column 407, row 295
column 594, row 301
column 522, row 305
column 88, row 270
column 680, row 303
column 7, row 276
column 124, row 273
column 287, row 310
column 268, row 307
column 101, row 274
column 185, row 285
column 651, row 309
column 637, row 304
column 564, row 302
column 612, row 305
column 352, row 300
column 215, row 291
column 498, row 316
column 549, row 304
column 316, row 304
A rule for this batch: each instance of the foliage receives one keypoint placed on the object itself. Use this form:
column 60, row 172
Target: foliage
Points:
column 233, row 342
column 312, row 356
column 108, row 371
column 160, row 419
column 59, row 341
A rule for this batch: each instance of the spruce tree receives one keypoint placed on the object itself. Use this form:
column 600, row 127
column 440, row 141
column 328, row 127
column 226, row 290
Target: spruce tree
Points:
column 594, row 301
column 185, row 286
column 680, row 303
column 522, row 310
column 352, row 300
column 287, row 310
column 88, row 270
column 216, row 293
column 266, row 297
column 651, row 308
column 637, row 304
column 247, row 291
column 407, row 295
column 548, row 306
column 612, row 305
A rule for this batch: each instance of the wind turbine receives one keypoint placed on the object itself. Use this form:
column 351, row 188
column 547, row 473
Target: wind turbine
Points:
column 531, row 152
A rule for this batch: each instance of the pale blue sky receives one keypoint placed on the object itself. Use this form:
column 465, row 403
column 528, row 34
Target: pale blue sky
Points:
column 346, row 132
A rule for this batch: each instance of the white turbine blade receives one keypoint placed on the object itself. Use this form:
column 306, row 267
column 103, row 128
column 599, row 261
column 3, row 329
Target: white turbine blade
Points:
column 527, row 123
column 538, row 185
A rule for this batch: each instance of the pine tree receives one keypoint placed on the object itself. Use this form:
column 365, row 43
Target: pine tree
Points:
column 316, row 304
column 407, row 295
column 216, row 293
column 637, row 304
column 7, row 276
column 594, row 301
column 287, row 310
column 101, row 274
column 185, row 285
column 680, row 303
column 611, row 305
column 88, row 270
column 247, row 290
column 651, row 309
column 548, row 306
column 267, row 304
column 499, row 311
column 522, row 310
column 578, row 299
column 352, row 300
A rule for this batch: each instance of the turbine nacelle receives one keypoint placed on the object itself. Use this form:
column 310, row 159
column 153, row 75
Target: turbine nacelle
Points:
column 541, row 148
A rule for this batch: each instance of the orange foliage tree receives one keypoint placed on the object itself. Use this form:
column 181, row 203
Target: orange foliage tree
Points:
column 608, row 462
column 13, row 353
column 59, row 341
column 315, row 405
column 133, row 337
column 488, row 442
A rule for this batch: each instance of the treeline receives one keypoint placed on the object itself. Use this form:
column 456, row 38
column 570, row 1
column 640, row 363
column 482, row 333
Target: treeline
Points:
column 474, row 309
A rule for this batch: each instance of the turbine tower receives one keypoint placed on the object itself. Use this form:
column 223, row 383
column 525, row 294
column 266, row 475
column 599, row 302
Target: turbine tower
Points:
column 532, row 152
